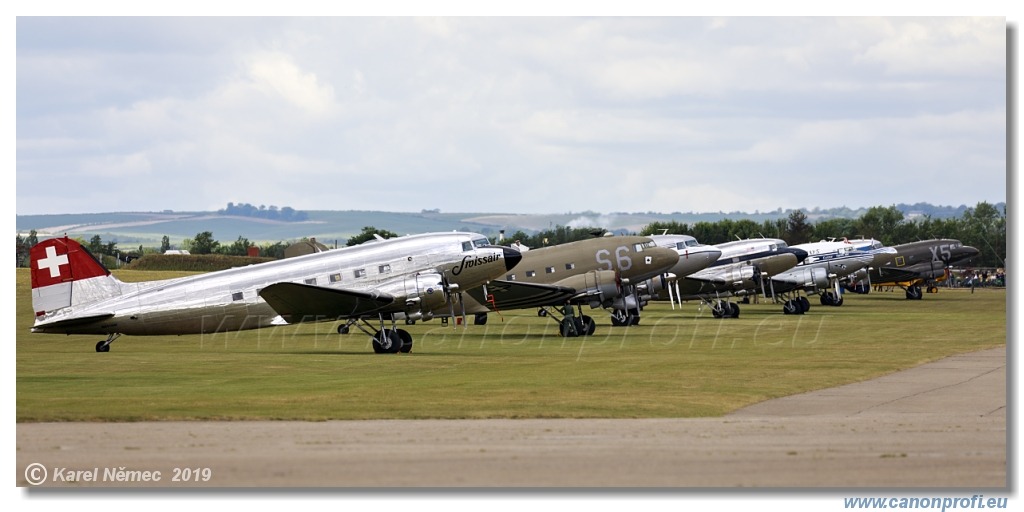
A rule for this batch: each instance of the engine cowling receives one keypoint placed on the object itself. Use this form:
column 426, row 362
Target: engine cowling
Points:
column 601, row 286
column 657, row 287
column 739, row 277
column 816, row 278
column 421, row 293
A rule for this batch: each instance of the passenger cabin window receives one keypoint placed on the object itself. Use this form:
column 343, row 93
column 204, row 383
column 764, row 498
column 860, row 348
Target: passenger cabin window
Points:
column 311, row 280
column 236, row 296
column 384, row 269
column 570, row 266
column 530, row 273
column 550, row 270
column 360, row 273
column 510, row 277
column 335, row 278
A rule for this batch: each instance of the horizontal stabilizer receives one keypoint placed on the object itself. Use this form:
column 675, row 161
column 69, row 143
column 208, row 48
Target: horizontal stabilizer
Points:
column 517, row 295
column 305, row 303
column 57, row 325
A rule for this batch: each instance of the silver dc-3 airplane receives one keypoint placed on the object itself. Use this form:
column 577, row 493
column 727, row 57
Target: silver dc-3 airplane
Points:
column 385, row 280
column 828, row 265
column 741, row 270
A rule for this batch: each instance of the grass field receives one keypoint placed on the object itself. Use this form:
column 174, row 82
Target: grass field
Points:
column 682, row 363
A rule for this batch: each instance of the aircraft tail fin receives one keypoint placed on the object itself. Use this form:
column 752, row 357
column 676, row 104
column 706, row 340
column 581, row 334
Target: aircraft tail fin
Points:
column 65, row 274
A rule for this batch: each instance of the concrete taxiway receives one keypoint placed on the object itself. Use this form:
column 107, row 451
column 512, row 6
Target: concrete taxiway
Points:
column 939, row 425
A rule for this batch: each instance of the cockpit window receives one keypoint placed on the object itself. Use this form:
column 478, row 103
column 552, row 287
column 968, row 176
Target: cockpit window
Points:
column 475, row 244
column 692, row 243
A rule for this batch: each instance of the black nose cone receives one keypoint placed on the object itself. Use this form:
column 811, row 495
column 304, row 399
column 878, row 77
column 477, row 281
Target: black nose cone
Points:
column 800, row 254
column 512, row 257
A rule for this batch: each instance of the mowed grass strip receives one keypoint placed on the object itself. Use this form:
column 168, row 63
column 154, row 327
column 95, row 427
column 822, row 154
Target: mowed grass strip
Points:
column 681, row 363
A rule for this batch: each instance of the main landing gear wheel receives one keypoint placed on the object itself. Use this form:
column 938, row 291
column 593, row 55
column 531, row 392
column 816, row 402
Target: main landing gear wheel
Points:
column 572, row 327
column 621, row 318
column 797, row 306
column 387, row 341
column 104, row 345
column 406, row 341
column 914, row 293
column 589, row 325
column 725, row 309
column 343, row 329
column 831, row 299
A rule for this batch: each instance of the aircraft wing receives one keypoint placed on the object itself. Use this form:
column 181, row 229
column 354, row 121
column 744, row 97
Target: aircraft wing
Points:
column 301, row 302
column 520, row 295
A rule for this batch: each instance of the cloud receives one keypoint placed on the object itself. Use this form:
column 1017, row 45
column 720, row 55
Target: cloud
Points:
column 519, row 115
column 277, row 76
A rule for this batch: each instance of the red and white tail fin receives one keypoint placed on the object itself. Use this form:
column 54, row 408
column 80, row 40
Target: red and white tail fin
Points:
column 65, row 274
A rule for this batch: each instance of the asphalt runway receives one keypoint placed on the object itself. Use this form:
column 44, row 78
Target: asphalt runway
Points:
column 940, row 425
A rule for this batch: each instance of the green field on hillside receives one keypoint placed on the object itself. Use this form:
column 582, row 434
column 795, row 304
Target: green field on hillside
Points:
column 681, row 363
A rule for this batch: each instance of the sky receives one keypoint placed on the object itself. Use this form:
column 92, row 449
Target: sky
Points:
column 508, row 114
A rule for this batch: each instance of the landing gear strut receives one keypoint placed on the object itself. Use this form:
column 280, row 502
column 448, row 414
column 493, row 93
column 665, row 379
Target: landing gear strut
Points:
column 385, row 340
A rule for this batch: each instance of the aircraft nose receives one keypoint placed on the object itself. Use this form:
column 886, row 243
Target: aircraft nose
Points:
column 800, row 254
column 512, row 257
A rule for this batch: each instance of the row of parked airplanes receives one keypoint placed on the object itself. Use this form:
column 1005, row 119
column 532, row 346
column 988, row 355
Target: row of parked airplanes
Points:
column 380, row 283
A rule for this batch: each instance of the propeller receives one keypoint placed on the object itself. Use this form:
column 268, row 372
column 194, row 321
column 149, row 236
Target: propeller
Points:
column 451, row 292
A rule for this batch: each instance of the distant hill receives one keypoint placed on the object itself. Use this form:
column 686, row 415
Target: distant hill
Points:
column 132, row 229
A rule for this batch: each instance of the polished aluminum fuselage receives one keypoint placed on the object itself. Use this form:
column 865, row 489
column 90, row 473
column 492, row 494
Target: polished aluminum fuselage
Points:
column 693, row 256
column 229, row 300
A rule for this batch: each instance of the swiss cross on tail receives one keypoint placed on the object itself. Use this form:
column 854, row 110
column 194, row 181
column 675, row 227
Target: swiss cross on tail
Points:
column 61, row 260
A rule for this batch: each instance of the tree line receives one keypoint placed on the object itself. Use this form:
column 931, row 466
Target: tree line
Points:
column 285, row 214
column 982, row 227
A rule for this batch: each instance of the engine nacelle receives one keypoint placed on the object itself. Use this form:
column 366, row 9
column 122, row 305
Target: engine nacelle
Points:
column 626, row 303
column 739, row 277
column 422, row 293
column 657, row 287
column 814, row 278
column 857, row 282
column 601, row 286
